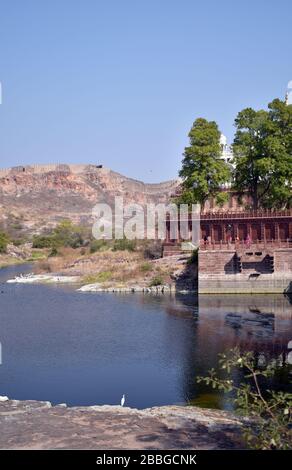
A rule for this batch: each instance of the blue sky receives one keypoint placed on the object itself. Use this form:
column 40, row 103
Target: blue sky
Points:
column 120, row 82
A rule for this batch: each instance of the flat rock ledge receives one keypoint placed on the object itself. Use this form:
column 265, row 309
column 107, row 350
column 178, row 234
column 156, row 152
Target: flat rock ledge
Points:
column 39, row 425
column 96, row 287
column 163, row 289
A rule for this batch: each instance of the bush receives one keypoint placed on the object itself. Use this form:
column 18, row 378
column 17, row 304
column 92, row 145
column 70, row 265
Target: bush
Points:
column 153, row 251
column 64, row 234
column 270, row 410
column 103, row 276
column 124, row 244
column 67, row 234
column 37, row 255
column 146, row 267
column 156, row 281
column 98, row 245
column 42, row 241
column 17, row 226
column 54, row 252
column 4, row 240
column 193, row 259
column 19, row 241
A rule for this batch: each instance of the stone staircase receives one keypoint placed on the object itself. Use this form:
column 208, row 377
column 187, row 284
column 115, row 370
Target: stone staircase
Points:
column 254, row 262
column 170, row 249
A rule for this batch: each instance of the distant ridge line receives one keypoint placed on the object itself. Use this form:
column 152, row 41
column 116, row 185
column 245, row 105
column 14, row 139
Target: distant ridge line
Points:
column 46, row 168
column 77, row 169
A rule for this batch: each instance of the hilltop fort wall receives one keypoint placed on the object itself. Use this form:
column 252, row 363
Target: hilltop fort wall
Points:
column 97, row 171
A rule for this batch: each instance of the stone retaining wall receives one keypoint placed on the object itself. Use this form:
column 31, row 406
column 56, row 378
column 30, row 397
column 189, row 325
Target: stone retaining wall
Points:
column 218, row 273
column 216, row 261
column 237, row 284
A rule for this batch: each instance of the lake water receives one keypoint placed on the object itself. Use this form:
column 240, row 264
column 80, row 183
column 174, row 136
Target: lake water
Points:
column 90, row 348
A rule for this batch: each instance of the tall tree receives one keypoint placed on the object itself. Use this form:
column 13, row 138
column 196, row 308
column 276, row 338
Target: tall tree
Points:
column 262, row 155
column 203, row 171
column 281, row 122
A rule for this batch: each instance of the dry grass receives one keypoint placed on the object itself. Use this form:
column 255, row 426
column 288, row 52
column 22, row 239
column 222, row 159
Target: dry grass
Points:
column 97, row 267
column 110, row 268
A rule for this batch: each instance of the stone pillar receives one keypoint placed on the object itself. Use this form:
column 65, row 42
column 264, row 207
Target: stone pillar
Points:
column 191, row 231
column 263, row 232
column 211, row 233
column 223, row 229
column 167, row 232
column 235, row 226
column 277, row 231
column 290, row 230
column 249, row 229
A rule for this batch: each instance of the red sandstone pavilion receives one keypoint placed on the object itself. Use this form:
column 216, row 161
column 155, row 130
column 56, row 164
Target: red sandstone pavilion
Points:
column 222, row 229
column 241, row 251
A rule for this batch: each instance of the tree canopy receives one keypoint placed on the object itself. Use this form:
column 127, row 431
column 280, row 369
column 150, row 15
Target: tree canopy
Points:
column 262, row 164
column 203, row 171
column 64, row 234
column 263, row 154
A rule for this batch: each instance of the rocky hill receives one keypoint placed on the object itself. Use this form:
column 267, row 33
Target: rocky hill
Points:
column 33, row 198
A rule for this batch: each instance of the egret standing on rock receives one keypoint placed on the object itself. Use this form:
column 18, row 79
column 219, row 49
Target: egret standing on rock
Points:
column 123, row 400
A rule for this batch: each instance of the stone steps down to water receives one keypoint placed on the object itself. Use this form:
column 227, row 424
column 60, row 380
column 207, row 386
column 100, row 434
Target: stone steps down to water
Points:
column 39, row 425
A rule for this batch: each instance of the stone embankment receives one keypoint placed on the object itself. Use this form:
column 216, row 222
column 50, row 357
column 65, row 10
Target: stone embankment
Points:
column 153, row 289
column 96, row 287
column 39, row 425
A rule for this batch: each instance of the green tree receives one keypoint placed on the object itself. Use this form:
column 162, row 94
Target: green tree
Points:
column 203, row 171
column 281, row 122
column 42, row 241
column 64, row 234
column 124, row 245
column 67, row 234
column 262, row 155
column 4, row 240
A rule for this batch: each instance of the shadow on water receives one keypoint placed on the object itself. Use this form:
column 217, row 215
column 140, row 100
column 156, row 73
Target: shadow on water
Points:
column 258, row 323
column 188, row 278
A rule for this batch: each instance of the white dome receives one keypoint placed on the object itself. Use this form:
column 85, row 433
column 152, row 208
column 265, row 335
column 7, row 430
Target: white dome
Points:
column 223, row 139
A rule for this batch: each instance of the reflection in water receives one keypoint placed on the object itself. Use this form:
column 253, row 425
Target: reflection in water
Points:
column 258, row 323
column 65, row 346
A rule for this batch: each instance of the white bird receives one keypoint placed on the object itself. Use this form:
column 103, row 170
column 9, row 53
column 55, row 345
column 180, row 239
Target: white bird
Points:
column 123, row 400
column 2, row 398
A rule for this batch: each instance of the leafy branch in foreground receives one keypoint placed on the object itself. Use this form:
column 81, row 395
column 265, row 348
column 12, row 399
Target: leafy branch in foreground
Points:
column 270, row 411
